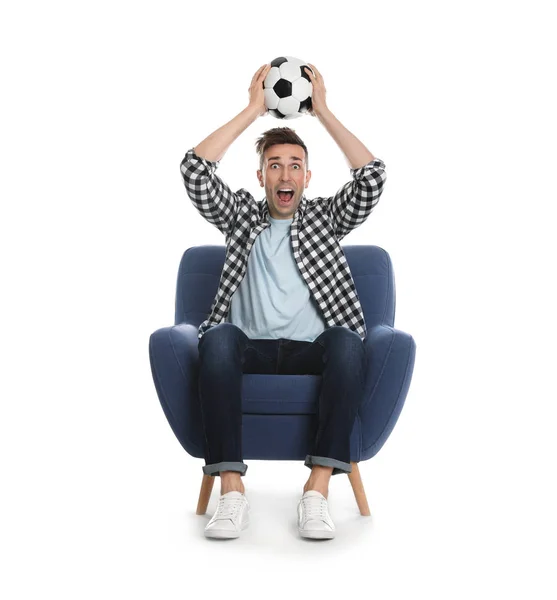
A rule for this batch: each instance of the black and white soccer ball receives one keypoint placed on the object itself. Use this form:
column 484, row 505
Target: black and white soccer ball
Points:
column 288, row 88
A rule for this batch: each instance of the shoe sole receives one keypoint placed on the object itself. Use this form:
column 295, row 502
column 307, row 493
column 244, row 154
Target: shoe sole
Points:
column 225, row 534
column 317, row 535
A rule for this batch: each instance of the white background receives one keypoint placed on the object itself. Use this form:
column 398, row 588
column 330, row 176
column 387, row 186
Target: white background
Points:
column 100, row 102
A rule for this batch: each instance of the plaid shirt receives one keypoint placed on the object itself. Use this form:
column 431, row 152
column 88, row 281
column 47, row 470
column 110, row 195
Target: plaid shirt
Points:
column 317, row 228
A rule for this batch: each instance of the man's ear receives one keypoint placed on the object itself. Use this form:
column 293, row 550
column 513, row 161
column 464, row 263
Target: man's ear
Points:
column 260, row 176
column 308, row 177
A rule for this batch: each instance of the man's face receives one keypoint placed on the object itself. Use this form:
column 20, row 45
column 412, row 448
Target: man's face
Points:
column 284, row 167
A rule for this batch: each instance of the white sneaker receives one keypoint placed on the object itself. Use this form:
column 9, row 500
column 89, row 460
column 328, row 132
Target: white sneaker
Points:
column 231, row 516
column 314, row 520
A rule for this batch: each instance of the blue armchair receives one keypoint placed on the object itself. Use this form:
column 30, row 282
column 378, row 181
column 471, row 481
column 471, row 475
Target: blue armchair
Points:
column 279, row 411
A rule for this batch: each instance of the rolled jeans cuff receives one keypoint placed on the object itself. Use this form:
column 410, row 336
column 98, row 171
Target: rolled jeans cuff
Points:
column 324, row 461
column 216, row 468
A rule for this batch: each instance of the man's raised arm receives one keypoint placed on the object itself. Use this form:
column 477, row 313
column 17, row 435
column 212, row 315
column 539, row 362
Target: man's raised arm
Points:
column 354, row 150
column 214, row 147
column 210, row 195
column 354, row 202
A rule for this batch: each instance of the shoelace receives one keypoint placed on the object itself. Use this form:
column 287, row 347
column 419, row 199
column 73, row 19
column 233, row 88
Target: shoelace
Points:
column 315, row 508
column 228, row 507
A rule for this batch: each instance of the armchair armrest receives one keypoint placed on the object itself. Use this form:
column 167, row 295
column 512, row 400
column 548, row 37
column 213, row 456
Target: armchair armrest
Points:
column 391, row 355
column 173, row 355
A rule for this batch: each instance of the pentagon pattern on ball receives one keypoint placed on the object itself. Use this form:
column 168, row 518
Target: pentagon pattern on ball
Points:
column 283, row 88
column 278, row 61
column 287, row 88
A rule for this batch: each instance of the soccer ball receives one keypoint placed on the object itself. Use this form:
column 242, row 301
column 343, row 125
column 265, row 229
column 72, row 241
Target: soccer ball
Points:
column 287, row 88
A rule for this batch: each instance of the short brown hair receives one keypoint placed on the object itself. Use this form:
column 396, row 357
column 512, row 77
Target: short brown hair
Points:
column 278, row 135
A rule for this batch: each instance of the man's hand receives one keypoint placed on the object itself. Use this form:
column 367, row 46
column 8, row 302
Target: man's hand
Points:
column 256, row 95
column 318, row 102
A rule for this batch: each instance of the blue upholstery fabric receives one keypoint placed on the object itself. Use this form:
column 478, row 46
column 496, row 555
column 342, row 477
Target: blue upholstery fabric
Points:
column 279, row 411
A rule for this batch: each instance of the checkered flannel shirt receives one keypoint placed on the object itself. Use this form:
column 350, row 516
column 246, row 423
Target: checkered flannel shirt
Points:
column 317, row 228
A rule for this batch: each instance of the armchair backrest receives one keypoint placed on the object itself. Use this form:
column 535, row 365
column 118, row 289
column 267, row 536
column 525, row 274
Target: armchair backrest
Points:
column 201, row 268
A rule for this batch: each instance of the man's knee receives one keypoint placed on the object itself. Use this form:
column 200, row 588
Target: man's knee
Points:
column 344, row 342
column 222, row 338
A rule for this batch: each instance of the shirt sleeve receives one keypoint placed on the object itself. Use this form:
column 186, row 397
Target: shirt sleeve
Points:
column 353, row 203
column 210, row 195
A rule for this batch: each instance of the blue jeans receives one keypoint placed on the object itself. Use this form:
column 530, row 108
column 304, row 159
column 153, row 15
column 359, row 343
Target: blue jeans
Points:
column 225, row 353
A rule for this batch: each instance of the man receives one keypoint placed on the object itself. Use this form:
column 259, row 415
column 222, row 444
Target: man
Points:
column 286, row 301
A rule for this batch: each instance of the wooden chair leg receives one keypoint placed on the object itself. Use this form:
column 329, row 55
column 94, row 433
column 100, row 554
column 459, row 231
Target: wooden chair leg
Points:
column 205, row 493
column 358, row 487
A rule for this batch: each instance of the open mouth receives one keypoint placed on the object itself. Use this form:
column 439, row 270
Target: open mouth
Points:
column 285, row 196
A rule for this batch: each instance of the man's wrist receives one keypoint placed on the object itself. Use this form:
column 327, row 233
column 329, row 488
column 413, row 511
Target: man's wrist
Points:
column 323, row 114
column 253, row 111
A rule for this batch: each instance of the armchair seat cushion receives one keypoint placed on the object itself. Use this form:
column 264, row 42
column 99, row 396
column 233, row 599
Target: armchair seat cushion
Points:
column 280, row 394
